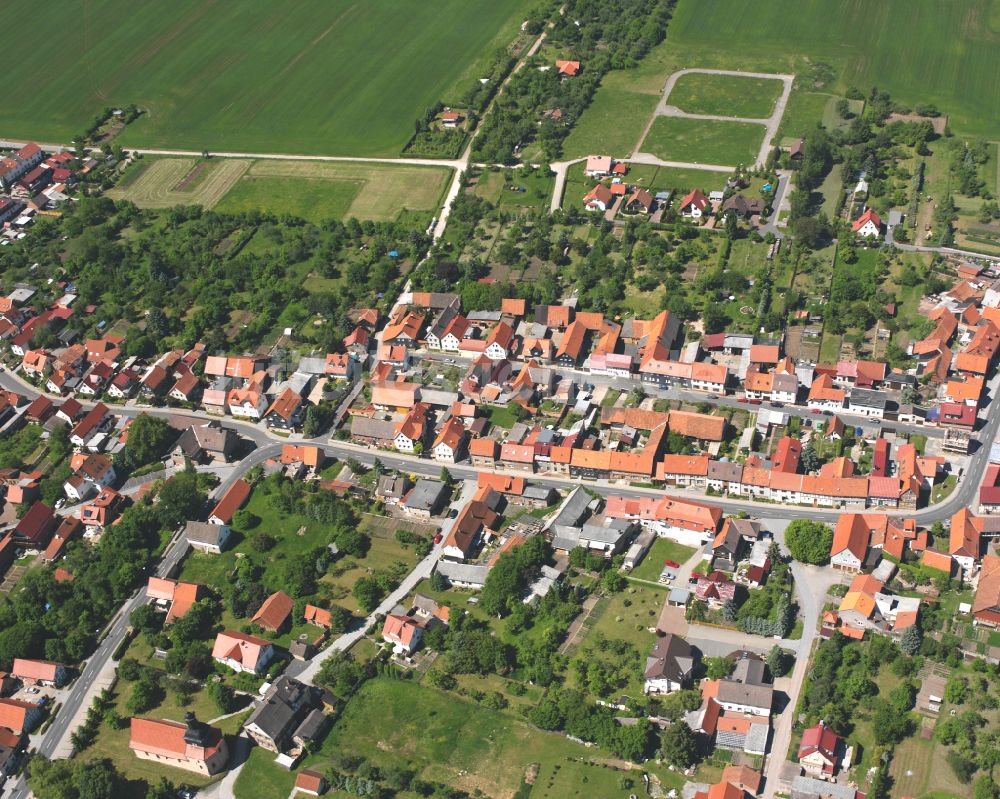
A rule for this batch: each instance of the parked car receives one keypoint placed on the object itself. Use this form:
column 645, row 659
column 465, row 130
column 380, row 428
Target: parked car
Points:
column 437, row 538
column 673, row 564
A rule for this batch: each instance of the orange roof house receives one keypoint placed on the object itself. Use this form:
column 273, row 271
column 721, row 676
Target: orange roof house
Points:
column 697, row 425
column 181, row 596
column 317, row 616
column 568, row 68
column 231, row 501
column 403, row 631
column 242, row 652
column 275, row 611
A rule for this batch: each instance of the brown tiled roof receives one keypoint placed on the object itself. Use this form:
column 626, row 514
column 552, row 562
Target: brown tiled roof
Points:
column 274, row 612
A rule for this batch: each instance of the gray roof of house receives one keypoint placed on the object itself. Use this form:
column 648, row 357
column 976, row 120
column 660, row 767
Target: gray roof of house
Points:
column 739, row 693
column 785, row 382
column 538, row 492
column 723, row 470
column 606, row 534
column 205, row 533
column 565, row 537
column 756, row 740
column 574, row 508
column 279, row 708
column 671, row 658
column 868, row 398
column 678, row 596
column 434, row 396
column 382, row 429
column 483, row 316
column 749, row 671
column 313, row 366
column 810, row 788
column 471, row 573
column 425, row 494
column 312, row 725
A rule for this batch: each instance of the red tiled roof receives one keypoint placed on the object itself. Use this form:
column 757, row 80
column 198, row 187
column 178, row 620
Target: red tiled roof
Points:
column 274, row 612
column 231, row 501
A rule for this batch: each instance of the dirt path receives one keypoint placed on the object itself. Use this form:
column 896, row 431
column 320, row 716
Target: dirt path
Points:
column 577, row 624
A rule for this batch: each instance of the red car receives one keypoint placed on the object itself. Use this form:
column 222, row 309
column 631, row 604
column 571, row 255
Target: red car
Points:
column 673, row 564
column 437, row 538
column 815, row 410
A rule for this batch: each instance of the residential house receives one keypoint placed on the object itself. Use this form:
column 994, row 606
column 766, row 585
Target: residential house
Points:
column 965, row 539
column 176, row 596
column 89, row 431
column 39, row 672
column 868, row 225
column 403, row 632
column 598, row 166
column 694, row 205
column 425, row 499
column 35, row 528
column 669, row 665
column 820, row 751
column 20, row 717
column 287, row 412
column 234, row 498
column 599, row 198
column 242, row 652
column 275, row 722
column 449, row 445
column 207, row 537
column 274, row 613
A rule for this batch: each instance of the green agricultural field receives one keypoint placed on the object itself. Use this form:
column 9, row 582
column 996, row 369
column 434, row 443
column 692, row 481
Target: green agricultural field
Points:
column 725, row 95
column 921, row 51
column 313, row 190
column 297, row 76
column 704, row 141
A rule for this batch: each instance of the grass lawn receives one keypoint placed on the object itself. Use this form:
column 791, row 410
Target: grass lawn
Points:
column 725, row 95
column 345, row 78
column 683, row 180
column 601, row 128
column 663, row 549
column 313, row 190
column 921, row 51
column 628, row 615
column 261, row 777
column 502, row 417
column 704, row 142
column 804, row 111
column 325, row 190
